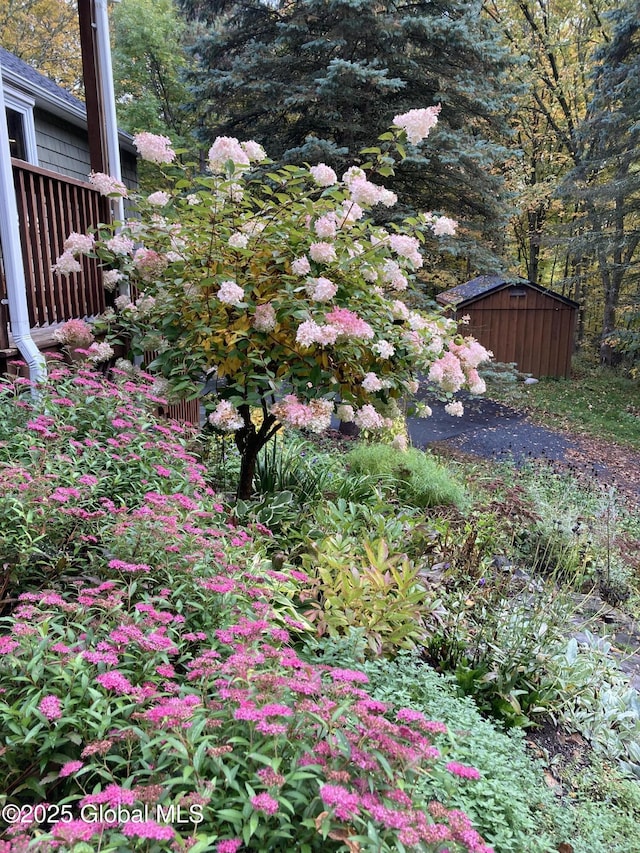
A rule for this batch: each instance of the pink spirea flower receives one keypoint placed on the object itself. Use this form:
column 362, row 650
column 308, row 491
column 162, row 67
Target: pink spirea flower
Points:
column 345, row 804
column 7, row 645
column 462, row 770
column 106, row 185
column 148, row 829
column 121, row 566
column 70, row 768
column 323, row 175
column 66, row 264
column 154, row 148
column 229, row 845
column 265, row 803
column 71, row 831
column 50, row 707
column 112, row 795
column 114, row 680
column 418, row 123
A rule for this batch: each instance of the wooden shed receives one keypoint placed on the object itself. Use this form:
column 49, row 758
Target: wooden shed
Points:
column 518, row 321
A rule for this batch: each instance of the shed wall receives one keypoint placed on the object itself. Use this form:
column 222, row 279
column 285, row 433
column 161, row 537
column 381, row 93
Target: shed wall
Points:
column 534, row 330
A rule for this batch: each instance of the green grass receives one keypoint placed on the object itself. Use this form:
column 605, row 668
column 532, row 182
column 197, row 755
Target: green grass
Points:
column 598, row 402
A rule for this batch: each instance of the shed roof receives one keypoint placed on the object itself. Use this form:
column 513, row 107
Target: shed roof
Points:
column 482, row 285
column 47, row 94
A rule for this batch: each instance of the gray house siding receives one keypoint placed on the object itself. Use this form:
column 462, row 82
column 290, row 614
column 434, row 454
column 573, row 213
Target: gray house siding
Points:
column 64, row 148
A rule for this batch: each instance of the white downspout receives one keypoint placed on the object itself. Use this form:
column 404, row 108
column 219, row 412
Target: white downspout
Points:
column 12, row 257
column 107, row 92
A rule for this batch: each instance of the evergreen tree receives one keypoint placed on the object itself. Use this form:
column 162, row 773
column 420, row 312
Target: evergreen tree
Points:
column 606, row 181
column 314, row 80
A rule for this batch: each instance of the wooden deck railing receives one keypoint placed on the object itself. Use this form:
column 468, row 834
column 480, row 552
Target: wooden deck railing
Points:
column 50, row 207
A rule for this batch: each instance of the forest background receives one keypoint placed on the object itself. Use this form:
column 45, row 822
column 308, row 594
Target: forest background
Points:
column 538, row 143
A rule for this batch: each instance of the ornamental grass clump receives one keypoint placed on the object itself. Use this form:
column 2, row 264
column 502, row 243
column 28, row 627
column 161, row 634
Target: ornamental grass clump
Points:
column 280, row 290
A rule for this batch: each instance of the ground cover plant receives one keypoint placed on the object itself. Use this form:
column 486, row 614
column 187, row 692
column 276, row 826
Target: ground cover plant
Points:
column 153, row 672
column 164, row 676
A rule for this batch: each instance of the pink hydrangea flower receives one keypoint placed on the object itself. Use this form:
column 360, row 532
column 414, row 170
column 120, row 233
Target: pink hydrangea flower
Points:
column 301, row 266
column 154, row 148
column 149, row 263
column 66, row 264
column 322, row 252
column 323, row 175
column 79, row 244
column 455, row 409
column 225, row 149
column 418, row 123
column 264, row 318
column 230, row 293
column 106, row 185
column 159, row 198
column 226, row 417
column 444, row 226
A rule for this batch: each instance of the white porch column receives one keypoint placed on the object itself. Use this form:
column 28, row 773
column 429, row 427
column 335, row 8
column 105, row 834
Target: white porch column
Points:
column 107, row 92
column 12, row 257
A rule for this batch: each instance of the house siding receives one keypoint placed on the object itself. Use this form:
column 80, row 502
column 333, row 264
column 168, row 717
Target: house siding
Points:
column 62, row 147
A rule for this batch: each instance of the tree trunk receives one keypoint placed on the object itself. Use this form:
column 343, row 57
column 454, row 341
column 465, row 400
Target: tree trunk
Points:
column 250, row 442
column 247, row 470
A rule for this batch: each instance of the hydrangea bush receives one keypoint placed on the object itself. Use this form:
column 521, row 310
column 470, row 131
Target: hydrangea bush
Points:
column 279, row 288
